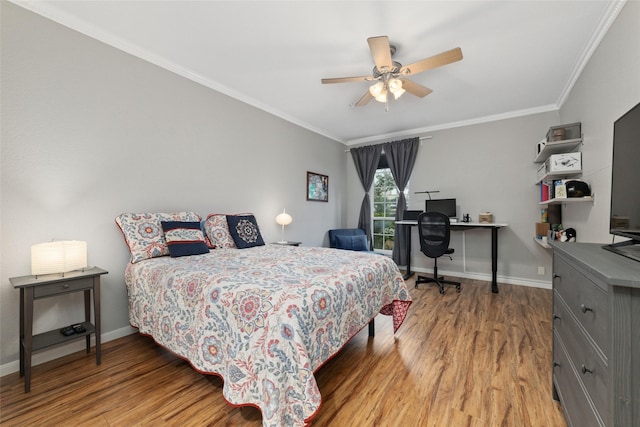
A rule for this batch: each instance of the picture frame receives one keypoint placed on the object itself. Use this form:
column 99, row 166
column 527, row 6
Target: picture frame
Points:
column 317, row 187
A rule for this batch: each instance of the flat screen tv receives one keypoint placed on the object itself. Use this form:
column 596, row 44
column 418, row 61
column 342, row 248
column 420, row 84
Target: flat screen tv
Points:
column 446, row 206
column 624, row 218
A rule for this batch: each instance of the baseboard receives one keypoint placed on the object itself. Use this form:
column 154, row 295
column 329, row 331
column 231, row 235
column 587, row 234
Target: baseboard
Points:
column 63, row 350
column 487, row 277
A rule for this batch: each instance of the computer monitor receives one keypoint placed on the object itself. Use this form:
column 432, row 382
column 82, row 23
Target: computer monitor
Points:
column 446, row 206
column 411, row 215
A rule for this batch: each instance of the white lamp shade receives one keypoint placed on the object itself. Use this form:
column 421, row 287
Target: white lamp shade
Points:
column 284, row 218
column 395, row 84
column 376, row 89
column 382, row 97
column 58, row 257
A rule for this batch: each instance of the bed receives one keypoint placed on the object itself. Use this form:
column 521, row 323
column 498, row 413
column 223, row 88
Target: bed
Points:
column 264, row 318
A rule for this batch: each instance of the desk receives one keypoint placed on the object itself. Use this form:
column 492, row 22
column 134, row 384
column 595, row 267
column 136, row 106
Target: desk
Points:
column 462, row 226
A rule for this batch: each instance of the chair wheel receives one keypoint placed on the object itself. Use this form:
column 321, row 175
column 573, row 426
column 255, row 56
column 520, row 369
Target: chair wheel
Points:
column 458, row 288
column 442, row 291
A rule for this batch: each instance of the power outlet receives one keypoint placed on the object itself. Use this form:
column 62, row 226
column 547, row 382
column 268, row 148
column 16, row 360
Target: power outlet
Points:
column 540, row 271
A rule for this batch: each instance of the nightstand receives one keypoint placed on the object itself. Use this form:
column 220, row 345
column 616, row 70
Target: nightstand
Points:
column 50, row 285
column 287, row 243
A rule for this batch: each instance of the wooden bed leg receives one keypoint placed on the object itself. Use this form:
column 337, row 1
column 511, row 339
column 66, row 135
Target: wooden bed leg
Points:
column 372, row 328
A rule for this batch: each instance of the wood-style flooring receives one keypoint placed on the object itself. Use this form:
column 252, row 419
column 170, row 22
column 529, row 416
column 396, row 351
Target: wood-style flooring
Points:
column 461, row 359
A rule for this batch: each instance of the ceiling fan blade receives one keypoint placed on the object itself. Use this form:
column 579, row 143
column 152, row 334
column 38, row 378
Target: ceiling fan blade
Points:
column 415, row 88
column 381, row 52
column 435, row 61
column 364, row 100
column 346, row 79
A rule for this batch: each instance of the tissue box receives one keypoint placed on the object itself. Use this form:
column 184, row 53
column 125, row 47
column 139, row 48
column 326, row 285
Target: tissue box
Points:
column 486, row 218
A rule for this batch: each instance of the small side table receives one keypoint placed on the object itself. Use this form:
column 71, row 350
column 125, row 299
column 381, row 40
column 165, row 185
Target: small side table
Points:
column 49, row 285
column 287, row 243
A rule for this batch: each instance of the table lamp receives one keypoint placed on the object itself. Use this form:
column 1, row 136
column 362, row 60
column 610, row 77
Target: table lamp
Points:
column 58, row 257
column 283, row 219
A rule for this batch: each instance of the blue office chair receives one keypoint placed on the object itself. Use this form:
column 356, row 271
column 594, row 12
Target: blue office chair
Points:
column 434, row 230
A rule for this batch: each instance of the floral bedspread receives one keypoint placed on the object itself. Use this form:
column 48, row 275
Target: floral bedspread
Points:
column 264, row 318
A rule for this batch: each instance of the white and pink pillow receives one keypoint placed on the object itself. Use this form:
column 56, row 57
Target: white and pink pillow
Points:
column 143, row 232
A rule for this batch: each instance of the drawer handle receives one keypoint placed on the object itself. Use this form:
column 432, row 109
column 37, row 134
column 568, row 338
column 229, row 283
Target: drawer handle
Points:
column 584, row 308
column 584, row 370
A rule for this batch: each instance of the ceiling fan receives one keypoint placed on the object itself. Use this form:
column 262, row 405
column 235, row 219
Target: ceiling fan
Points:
column 389, row 75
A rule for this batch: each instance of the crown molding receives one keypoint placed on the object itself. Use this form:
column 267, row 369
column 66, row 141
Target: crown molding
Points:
column 607, row 19
column 462, row 123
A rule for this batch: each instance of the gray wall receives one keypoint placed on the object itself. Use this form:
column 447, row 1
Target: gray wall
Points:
column 488, row 167
column 607, row 88
column 89, row 132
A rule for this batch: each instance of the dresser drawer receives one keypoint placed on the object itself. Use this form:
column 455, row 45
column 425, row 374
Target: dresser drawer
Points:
column 577, row 408
column 586, row 300
column 588, row 363
column 62, row 287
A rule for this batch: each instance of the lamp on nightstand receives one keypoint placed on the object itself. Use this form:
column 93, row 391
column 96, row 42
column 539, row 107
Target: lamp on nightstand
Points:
column 58, row 257
column 283, row 219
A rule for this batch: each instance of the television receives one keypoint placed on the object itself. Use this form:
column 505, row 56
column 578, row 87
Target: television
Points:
column 624, row 218
column 446, row 206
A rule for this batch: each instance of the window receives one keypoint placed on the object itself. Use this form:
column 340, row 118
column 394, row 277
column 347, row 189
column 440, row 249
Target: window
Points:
column 385, row 200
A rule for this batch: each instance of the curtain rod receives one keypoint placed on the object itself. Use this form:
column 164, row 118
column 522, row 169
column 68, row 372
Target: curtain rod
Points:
column 422, row 138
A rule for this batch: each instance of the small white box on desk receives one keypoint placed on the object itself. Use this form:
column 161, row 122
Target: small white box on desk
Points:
column 565, row 162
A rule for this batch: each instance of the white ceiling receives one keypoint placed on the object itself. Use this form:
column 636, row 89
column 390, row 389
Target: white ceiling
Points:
column 520, row 57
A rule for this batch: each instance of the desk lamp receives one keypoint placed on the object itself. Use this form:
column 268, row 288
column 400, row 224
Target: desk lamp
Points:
column 283, row 219
column 58, row 257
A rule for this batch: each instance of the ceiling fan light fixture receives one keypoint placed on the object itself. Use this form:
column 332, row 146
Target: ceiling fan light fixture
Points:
column 395, row 86
column 382, row 97
column 398, row 93
column 376, row 89
column 388, row 75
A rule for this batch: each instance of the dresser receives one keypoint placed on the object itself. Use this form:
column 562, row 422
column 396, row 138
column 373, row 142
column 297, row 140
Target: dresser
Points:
column 596, row 335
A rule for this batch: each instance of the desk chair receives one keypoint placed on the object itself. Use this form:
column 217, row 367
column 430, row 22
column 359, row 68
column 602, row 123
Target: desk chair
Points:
column 434, row 230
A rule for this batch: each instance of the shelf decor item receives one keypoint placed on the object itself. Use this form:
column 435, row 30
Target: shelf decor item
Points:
column 485, row 218
column 317, row 187
column 564, row 132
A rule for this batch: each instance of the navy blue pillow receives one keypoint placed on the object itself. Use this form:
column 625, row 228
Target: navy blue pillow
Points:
column 244, row 231
column 352, row 243
column 184, row 238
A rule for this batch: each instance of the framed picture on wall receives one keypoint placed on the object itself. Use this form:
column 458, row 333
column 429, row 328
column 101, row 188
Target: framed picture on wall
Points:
column 317, row 187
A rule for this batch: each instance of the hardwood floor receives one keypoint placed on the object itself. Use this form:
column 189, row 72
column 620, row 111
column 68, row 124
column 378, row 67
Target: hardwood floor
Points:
column 461, row 359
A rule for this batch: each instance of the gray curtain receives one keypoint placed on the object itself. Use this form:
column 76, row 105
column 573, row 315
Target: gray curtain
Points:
column 366, row 161
column 401, row 156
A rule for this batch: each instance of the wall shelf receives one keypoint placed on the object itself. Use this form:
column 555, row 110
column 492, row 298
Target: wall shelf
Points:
column 557, row 147
column 552, row 176
column 568, row 200
column 541, row 243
